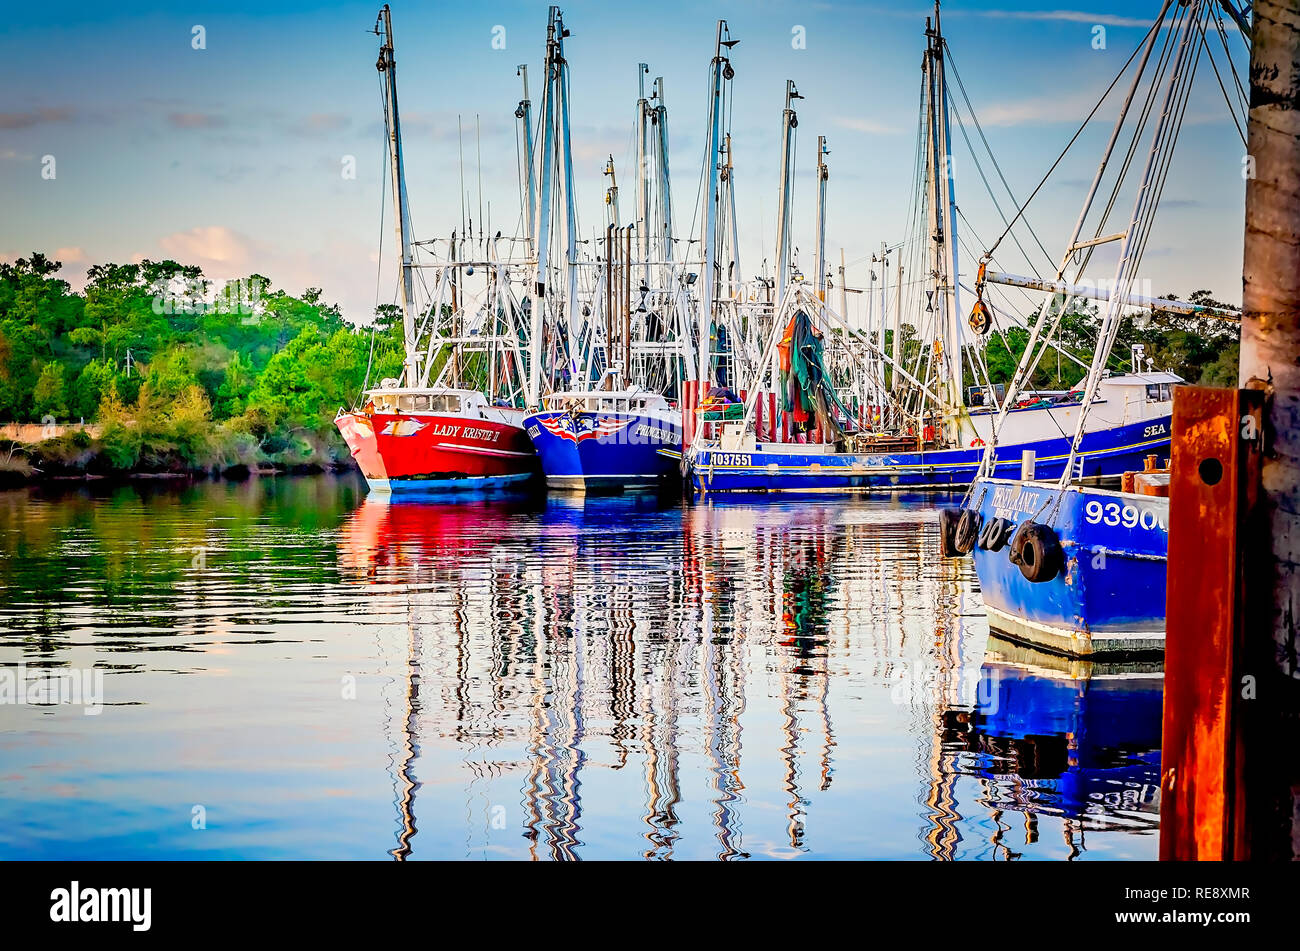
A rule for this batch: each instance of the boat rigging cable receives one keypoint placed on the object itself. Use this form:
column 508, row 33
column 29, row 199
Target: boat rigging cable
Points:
column 1176, row 99
column 1078, row 132
column 379, row 257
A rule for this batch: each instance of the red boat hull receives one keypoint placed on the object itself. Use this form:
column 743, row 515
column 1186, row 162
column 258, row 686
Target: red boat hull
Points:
column 422, row 451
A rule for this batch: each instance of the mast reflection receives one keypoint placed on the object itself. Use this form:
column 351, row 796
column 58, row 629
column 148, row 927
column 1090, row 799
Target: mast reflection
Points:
column 626, row 676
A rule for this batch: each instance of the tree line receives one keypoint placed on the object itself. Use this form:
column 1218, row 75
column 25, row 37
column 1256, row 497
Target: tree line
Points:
column 179, row 375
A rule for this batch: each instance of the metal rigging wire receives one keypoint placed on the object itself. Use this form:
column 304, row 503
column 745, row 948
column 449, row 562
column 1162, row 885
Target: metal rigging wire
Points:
column 1232, row 111
column 1074, row 137
column 998, row 168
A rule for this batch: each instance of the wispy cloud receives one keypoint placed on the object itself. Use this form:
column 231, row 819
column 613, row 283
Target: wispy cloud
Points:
column 442, row 126
column 215, row 248
column 1037, row 109
column 25, row 120
column 320, row 124
column 1067, row 16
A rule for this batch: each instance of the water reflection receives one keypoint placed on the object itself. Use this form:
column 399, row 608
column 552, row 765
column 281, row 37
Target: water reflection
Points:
column 557, row 679
column 1074, row 739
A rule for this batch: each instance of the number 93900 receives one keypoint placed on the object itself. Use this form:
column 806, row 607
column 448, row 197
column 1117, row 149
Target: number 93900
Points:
column 1096, row 512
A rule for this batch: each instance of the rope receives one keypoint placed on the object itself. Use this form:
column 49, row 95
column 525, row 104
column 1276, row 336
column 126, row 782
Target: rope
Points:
column 379, row 260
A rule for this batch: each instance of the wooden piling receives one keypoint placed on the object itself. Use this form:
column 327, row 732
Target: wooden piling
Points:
column 1231, row 759
column 1270, row 365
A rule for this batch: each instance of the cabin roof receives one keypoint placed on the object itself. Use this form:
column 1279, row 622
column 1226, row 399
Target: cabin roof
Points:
column 1143, row 379
column 420, row 391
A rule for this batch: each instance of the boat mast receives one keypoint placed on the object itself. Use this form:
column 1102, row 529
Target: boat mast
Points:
column 823, row 175
column 728, row 204
column 721, row 69
column 642, row 172
column 524, row 113
column 896, row 325
column 547, row 161
column 953, row 288
column 387, row 67
column 665, row 223
column 882, row 323
column 570, row 206
column 942, row 244
column 611, row 195
column 789, row 122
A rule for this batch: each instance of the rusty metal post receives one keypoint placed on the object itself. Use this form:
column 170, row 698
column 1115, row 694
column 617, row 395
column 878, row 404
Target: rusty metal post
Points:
column 1215, row 475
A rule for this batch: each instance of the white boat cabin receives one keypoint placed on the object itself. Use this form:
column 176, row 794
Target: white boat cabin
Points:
column 440, row 401
column 634, row 400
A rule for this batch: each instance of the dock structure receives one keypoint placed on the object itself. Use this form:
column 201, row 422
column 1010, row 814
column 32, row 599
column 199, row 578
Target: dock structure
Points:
column 1230, row 770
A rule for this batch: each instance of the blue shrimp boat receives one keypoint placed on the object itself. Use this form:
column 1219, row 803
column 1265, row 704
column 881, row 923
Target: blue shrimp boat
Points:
column 1107, row 593
column 607, row 440
column 1069, row 568
column 1130, row 421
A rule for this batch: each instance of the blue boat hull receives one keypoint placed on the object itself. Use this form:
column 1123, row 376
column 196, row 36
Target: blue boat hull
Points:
column 1110, row 452
column 605, row 451
column 465, row 485
column 1110, row 597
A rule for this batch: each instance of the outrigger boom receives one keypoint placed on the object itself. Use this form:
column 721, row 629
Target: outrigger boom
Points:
column 1097, row 292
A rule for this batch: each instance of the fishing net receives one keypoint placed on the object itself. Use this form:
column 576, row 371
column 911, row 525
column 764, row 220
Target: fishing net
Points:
column 806, row 390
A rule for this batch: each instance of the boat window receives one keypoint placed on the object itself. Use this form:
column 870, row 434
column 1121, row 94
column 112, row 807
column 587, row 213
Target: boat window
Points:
column 1160, row 392
column 428, row 403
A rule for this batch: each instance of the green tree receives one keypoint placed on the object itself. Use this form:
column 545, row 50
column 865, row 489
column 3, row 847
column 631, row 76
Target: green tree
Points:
column 97, row 378
column 49, row 397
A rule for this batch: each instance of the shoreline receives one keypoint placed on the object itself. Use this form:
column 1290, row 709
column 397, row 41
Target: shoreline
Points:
column 12, row 479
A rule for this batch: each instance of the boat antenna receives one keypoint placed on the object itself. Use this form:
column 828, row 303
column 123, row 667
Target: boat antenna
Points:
column 460, row 143
column 478, row 145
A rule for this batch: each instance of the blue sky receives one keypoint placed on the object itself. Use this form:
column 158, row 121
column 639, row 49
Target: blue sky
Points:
column 230, row 156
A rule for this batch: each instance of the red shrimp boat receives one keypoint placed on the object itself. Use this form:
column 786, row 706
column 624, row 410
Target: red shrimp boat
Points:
column 406, row 439
column 417, row 434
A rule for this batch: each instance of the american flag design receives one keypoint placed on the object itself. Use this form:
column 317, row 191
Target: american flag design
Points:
column 577, row 428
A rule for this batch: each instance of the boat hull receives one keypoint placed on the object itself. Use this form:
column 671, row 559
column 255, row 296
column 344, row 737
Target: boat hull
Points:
column 1109, row 598
column 769, row 468
column 606, row 451
column 399, row 452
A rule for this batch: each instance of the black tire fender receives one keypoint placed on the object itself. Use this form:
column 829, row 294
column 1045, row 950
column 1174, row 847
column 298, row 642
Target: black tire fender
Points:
column 997, row 532
column 947, row 532
column 1037, row 551
column 967, row 531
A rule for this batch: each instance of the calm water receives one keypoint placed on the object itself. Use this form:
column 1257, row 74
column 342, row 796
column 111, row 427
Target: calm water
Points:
column 290, row 670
